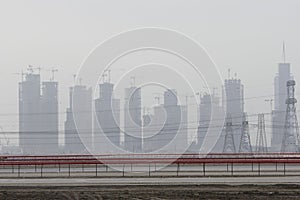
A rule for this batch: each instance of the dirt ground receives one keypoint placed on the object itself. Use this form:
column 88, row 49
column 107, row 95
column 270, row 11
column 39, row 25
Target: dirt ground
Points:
column 153, row 192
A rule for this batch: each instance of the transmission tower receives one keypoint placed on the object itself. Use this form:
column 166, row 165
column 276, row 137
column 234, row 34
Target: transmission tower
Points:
column 290, row 139
column 261, row 139
column 229, row 146
column 245, row 143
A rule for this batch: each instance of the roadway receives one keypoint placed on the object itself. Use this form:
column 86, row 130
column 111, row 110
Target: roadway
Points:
column 174, row 181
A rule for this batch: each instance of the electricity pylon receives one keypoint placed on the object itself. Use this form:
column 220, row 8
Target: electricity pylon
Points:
column 245, row 143
column 261, row 139
column 229, row 146
column 290, row 139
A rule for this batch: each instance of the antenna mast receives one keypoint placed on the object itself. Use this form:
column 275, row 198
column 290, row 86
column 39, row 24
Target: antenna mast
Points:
column 283, row 52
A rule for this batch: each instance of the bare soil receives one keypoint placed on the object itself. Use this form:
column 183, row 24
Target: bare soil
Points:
column 153, row 192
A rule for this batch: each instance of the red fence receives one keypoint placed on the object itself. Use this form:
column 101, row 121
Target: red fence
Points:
column 152, row 158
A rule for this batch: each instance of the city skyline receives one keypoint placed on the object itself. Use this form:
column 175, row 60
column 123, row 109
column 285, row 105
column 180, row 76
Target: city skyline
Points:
column 255, row 41
column 160, row 99
column 260, row 51
column 35, row 93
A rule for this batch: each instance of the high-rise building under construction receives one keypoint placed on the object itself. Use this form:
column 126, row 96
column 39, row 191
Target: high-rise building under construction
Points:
column 233, row 105
column 78, row 125
column 107, row 110
column 208, row 103
column 167, row 131
column 38, row 115
column 133, row 120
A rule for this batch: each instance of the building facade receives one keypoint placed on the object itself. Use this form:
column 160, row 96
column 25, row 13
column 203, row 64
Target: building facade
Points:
column 38, row 115
column 133, row 120
column 167, row 131
column 208, row 103
column 108, row 114
column 79, row 120
column 280, row 96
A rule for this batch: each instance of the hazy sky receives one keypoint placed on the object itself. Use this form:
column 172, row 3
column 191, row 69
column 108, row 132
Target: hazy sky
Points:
column 245, row 35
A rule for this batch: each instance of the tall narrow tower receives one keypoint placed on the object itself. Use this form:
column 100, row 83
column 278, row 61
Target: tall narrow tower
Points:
column 175, row 124
column 290, row 140
column 261, row 139
column 280, row 94
column 30, row 139
column 38, row 115
column 229, row 146
column 49, row 117
column 233, row 103
column 79, row 120
column 245, row 143
column 133, row 119
column 108, row 112
column 208, row 103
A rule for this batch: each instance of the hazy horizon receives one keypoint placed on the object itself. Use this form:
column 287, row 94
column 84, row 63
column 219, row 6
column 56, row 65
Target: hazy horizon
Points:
column 245, row 36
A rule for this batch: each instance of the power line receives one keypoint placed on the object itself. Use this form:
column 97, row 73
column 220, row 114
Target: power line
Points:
column 87, row 111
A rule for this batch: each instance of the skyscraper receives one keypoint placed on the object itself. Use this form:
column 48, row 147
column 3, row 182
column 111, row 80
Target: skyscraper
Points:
column 133, row 119
column 280, row 96
column 152, row 126
column 233, row 105
column 168, row 126
column 108, row 113
column 208, row 103
column 176, row 122
column 38, row 115
column 49, row 116
column 29, row 113
column 80, row 100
